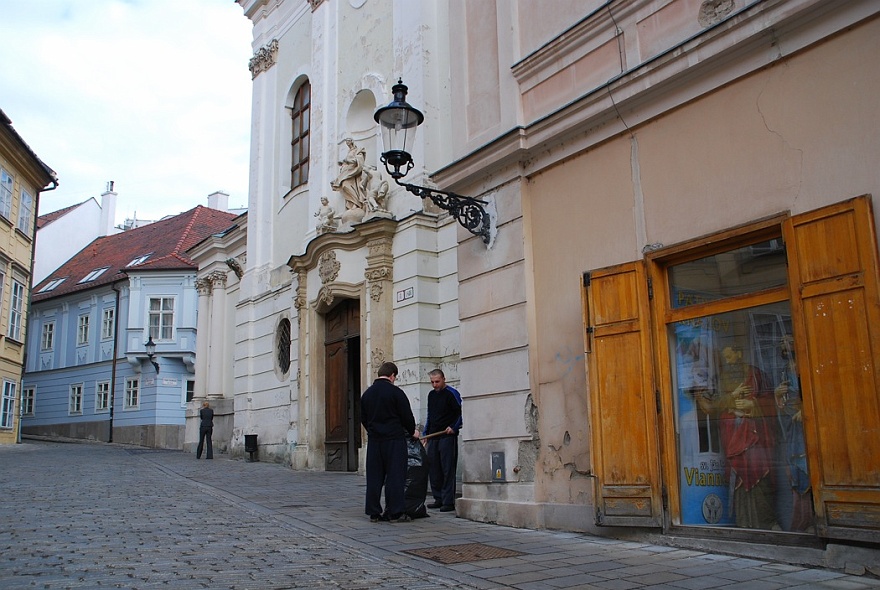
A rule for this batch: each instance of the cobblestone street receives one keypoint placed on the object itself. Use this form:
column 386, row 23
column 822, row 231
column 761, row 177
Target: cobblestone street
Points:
column 80, row 515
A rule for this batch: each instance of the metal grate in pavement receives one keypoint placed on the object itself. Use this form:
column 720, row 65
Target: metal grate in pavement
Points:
column 463, row 553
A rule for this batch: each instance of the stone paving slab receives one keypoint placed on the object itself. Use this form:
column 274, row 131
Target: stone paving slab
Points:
column 93, row 515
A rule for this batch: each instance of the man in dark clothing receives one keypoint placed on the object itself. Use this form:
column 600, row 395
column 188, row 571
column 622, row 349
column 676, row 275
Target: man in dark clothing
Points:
column 444, row 416
column 388, row 418
column 206, row 430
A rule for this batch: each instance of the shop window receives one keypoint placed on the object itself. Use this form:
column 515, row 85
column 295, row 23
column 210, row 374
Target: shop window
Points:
column 734, row 385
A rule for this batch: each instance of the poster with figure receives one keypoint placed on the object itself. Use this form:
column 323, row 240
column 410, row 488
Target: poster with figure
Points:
column 703, row 485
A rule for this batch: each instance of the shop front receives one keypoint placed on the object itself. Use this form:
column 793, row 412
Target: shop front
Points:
column 743, row 367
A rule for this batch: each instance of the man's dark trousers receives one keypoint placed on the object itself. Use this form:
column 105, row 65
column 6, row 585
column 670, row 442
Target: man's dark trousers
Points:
column 386, row 465
column 205, row 434
column 443, row 458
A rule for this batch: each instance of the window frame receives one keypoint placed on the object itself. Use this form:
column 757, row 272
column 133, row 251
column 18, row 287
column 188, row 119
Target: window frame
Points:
column 300, row 135
column 102, row 397
column 16, row 311
column 47, row 337
column 132, row 393
column 7, row 410
column 75, row 399
column 83, row 323
column 28, row 400
column 25, row 212
column 156, row 332
column 108, row 323
column 7, row 186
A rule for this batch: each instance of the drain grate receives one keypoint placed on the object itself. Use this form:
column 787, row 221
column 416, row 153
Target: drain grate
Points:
column 463, row 553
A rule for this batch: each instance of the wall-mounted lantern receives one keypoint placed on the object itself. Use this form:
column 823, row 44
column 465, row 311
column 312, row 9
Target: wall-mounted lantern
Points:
column 398, row 122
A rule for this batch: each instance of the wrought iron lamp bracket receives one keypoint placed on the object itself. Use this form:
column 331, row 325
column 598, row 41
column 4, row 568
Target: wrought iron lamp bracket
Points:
column 468, row 211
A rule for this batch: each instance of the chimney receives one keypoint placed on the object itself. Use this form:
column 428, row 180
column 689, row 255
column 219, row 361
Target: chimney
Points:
column 219, row 200
column 108, row 211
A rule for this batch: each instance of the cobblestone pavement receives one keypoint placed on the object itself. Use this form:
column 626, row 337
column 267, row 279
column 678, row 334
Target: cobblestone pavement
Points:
column 91, row 515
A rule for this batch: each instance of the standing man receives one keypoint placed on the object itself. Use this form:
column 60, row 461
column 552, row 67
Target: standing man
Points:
column 444, row 416
column 388, row 418
column 206, row 431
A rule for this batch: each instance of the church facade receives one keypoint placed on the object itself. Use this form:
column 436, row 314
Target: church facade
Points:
column 681, row 276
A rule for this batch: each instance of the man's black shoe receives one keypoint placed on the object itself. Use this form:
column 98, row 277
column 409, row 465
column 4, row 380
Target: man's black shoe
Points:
column 435, row 505
column 447, row 509
column 394, row 517
column 375, row 518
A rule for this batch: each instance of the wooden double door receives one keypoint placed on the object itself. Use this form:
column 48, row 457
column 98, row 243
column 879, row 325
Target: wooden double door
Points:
column 342, row 346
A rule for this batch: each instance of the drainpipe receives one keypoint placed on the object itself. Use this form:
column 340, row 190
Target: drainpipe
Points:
column 115, row 358
column 27, row 307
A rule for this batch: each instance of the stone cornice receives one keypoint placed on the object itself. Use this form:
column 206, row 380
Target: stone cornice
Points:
column 730, row 49
column 362, row 234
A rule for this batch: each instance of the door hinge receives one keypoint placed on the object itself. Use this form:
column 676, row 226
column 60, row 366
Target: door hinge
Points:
column 657, row 398
column 650, row 289
column 586, row 279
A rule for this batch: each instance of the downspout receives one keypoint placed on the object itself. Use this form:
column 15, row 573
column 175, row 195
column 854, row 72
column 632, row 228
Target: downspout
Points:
column 115, row 359
column 24, row 356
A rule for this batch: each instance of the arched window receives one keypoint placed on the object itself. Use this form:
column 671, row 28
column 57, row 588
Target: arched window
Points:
column 282, row 341
column 299, row 137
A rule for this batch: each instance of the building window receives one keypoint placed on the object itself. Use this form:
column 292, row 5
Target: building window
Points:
column 25, row 210
column 7, row 414
column 47, row 340
column 16, row 308
column 132, row 390
column 75, row 404
column 82, row 330
column 283, row 345
column 299, row 142
column 5, row 194
column 50, row 285
column 190, row 390
column 27, row 401
column 102, row 396
column 94, row 275
column 108, row 323
column 161, row 318
column 139, row 260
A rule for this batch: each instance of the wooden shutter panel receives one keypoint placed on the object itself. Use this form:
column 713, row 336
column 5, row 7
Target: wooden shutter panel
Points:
column 623, row 410
column 835, row 303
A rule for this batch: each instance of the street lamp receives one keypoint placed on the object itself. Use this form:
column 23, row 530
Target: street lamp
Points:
column 150, row 347
column 398, row 122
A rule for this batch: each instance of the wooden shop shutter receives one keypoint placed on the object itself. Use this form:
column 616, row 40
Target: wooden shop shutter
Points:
column 623, row 408
column 836, row 303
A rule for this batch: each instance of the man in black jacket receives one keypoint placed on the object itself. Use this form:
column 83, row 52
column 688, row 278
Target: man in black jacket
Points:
column 388, row 418
column 443, row 421
column 206, row 431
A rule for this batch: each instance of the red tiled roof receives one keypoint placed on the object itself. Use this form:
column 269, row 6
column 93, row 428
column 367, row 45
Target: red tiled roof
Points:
column 44, row 220
column 166, row 242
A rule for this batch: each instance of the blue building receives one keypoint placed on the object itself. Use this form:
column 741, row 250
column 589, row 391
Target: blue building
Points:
column 88, row 373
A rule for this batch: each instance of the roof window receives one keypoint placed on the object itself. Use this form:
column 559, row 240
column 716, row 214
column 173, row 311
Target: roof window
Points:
column 94, row 274
column 51, row 285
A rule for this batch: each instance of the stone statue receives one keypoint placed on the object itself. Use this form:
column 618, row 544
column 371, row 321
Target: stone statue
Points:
column 327, row 218
column 377, row 192
column 349, row 181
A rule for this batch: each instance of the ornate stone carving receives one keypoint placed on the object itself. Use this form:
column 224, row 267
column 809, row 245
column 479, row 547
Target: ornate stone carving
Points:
column 713, row 11
column 263, row 59
column 234, row 266
column 328, row 221
column 325, row 295
column 328, row 267
column 218, row 279
column 315, row 4
column 377, row 274
column 377, row 357
column 203, row 286
column 376, row 291
column 363, row 188
column 379, row 247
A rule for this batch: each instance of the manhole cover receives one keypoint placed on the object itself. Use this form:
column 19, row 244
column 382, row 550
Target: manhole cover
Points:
column 463, row 553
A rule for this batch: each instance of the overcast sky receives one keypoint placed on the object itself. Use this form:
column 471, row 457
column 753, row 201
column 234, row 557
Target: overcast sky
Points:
column 151, row 94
